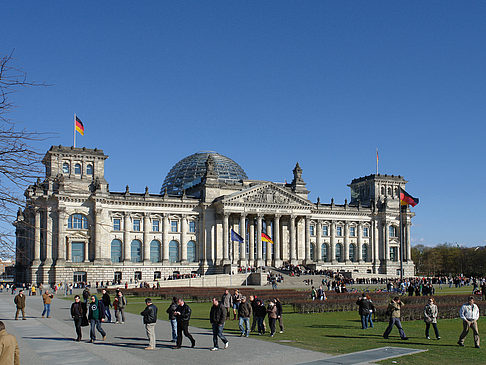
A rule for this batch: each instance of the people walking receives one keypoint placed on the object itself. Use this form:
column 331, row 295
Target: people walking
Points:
column 430, row 317
column 172, row 318
column 260, row 313
column 244, row 314
column 96, row 314
column 78, row 313
column 236, row 303
column 86, row 295
column 364, row 310
column 272, row 317
column 121, row 303
column 394, row 313
column 107, row 303
column 217, row 317
column 19, row 301
column 278, row 304
column 183, row 316
column 469, row 314
column 9, row 348
column 227, row 300
column 149, row 319
column 47, row 299
column 254, row 305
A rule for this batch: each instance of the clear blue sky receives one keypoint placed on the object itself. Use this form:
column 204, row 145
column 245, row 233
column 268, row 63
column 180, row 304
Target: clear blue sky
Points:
column 269, row 83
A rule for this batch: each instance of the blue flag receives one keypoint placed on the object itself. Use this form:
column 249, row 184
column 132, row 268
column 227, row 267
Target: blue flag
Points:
column 235, row 236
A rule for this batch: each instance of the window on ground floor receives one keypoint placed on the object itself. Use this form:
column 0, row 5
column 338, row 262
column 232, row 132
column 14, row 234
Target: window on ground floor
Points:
column 116, row 251
column 77, row 251
column 80, row 277
column 137, row 275
column 157, row 275
column 191, row 251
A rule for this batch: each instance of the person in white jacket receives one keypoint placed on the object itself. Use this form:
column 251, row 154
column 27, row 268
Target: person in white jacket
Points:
column 469, row 314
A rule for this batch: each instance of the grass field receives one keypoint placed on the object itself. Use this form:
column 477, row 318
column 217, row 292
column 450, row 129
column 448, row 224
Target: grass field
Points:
column 340, row 332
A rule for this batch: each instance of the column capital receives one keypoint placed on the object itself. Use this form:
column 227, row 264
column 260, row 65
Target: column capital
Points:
column 260, row 215
column 277, row 216
column 293, row 216
column 243, row 215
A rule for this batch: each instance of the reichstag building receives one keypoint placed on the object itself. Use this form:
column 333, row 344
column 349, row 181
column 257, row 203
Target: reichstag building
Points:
column 73, row 228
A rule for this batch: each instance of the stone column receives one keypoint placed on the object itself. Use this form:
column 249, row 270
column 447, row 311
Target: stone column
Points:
column 48, row 237
column 407, row 240
column 387, row 241
column 225, row 239
column 86, row 251
column 292, row 240
column 332, row 245
column 98, row 235
column 37, row 237
column 277, row 261
column 165, row 239
column 252, row 241
column 243, row 244
column 318, row 251
column 126, row 244
column 268, row 244
column 184, row 238
column 307, row 241
column 146, row 244
column 68, row 250
column 259, row 241
column 360, row 243
column 376, row 246
column 61, row 240
column 346, row 243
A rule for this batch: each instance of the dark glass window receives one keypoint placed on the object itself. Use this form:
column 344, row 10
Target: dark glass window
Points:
column 192, row 227
column 155, row 225
column 89, row 169
column 77, row 251
column 155, row 251
column 116, row 251
column 65, row 168
column 173, row 251
column 191, row 251
column 136, row 225
column 77, row 221
column 77, row 169
column 136, row 251
column 116, row 224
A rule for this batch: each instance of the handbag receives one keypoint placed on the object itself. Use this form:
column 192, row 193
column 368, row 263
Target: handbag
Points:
column 84, row 322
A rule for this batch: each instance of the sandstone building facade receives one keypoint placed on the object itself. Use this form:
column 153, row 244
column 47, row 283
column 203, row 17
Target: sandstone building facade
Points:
column 73, row 228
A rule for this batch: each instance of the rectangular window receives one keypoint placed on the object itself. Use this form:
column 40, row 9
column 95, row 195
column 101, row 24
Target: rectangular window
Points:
column 352, row 231
column 174, row 226
column 192, row 227
column 116, row 224
column 155, row 225
column 77, row 251
column 365, row 232
column 394, row 253
column 136, row 225
column 312, row 232
column 339, row 231
column 137, row 275
column 325, row 230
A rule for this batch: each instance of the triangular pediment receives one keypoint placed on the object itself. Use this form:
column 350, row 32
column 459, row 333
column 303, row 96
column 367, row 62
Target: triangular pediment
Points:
column 265, row 194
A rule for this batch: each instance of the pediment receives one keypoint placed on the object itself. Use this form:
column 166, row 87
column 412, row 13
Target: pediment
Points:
column 266, row 194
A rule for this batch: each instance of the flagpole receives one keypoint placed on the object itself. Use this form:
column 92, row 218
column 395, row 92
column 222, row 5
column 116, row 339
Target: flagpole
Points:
column 377, row 161
column 401, row 240
column 74, row 143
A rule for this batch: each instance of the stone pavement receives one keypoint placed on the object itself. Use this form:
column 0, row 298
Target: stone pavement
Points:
column 50, row 341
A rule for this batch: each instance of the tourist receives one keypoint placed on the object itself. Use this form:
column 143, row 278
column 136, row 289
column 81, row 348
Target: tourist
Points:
column 430, row 317
column 227, row 300
column 19, row 301
column 254, row 305
column 9, row 348
column 278, row 304
column 272, row 317
column 313, row 293
column 96, row 314
column 364, row 310
column 107, row 303
column 120, row 307
column 47, row 298
column 394, row 312
column 183, row 316
column 372, row 310
column 236, row 303
column 244, row 314
column 149, row 319
column 32, row 289
column 217, row 317
column 86, row 295
column 172, row 318
column 78, row 313
column 469, row 314
column 260, row 313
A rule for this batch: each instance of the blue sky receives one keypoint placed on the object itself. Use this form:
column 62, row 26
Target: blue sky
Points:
column 269, row 83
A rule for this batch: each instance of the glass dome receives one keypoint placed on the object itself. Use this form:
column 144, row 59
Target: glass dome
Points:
column 190, row 171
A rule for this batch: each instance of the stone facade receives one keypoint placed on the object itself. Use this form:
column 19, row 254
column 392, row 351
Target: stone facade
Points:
column 74, row 229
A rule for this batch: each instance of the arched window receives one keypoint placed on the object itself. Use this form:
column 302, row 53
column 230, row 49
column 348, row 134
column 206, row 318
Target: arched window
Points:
column 389, row 191
column 155, row 251
column 382, row 190
column 65, row 168
column 364, row 252
column 312, row 251
column 136, row 251
column 392, row 231
column 173, row 251
column 191, row 251
column 339, row 252
column 116, row 251
column 352, row 252
column 77, row 169
column 89, row 169
column 77, row 221
column 324, row 252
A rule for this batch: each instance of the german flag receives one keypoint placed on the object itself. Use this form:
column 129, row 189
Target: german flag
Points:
column 79, row 126
column 406, row 198
column 265, row 238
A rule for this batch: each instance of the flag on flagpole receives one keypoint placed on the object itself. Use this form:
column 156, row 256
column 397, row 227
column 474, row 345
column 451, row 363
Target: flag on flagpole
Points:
column 406, row 198
column 265, row 238
column 235, row 236
column 79, row 126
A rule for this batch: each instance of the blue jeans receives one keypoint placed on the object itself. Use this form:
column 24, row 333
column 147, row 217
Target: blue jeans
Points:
column 364, row 321
column 245, row 326
column 396, row 322
column 47, row 308
column 173, row 323
column 261, row 327
column 95, row 323
column 370, row 319
column 107, row 313
column 218, row 332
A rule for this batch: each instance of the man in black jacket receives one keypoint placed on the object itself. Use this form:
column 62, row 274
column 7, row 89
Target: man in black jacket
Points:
column 149, row 319
column 107, row 303
column 217, row 316
column 172, row 318
column 183, row 315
